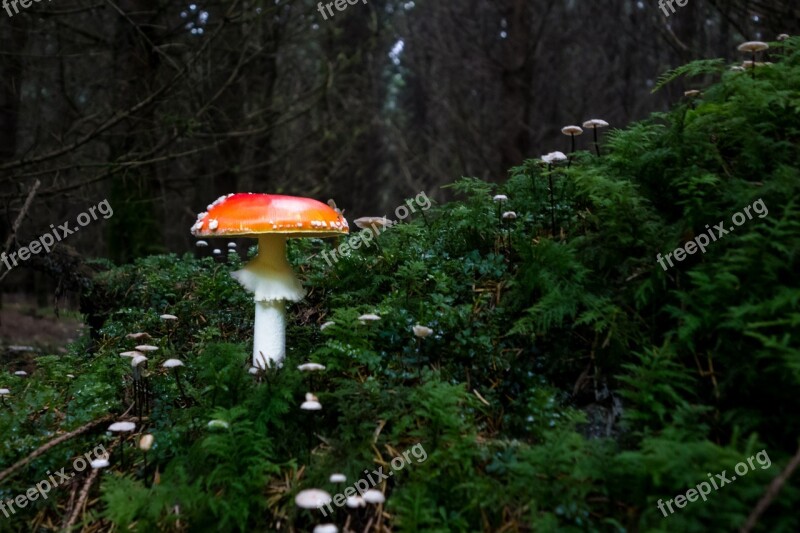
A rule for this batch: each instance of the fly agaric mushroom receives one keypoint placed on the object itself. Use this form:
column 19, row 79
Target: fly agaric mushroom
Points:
column 271, row 218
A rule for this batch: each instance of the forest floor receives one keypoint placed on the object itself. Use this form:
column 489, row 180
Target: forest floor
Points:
column 23, row 324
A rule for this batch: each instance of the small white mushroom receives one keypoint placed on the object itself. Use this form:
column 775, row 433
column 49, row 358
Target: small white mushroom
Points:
column 509, row 215
column 4, row 392
column 138, row 336
column 369, row 317
column 146, row 348
column 374, row 496
column 753, row 46
column 146, row 442
column 20, row 373
column 201, row 244
column 594, row 125
column 312, row 499
column 138, row 360
column 421, row 331
column 326, row 528
column 99, row 463
column 122, row 427
column 338, row 478
column 311, row 405
column 554, row 157
column 354, row 502
column 500, row 198
column 168, row 317
column 132, row 353
column 218, row 424
column 326, row 325
column 172, row 363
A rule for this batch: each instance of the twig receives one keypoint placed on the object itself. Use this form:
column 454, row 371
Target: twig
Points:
column 78, row 509
column 84, row 495
column 55, row 442
column 770, row 494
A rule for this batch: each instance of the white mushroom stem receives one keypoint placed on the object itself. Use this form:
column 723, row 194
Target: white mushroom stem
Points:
column 269, row 336
column 271, row 280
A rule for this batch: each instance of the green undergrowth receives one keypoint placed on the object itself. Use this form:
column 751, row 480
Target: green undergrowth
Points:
column 569, row 383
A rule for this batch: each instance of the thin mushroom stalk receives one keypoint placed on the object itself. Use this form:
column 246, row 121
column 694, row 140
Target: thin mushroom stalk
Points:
column 572, row 131
column 595, row 124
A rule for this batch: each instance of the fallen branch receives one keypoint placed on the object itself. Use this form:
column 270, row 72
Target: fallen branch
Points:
column 18, row 221
column 55, row 442
column 770, row 494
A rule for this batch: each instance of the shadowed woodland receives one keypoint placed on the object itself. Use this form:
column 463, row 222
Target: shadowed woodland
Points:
column 521, row 327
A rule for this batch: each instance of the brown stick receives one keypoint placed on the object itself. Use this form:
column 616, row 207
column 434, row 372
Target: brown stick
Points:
column 78, row 509
column 84, row 495
column 55, row 442
column 770, row 494
column 18, row 221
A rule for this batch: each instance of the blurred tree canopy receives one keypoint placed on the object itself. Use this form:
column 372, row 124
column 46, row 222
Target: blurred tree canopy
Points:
column 161, row 106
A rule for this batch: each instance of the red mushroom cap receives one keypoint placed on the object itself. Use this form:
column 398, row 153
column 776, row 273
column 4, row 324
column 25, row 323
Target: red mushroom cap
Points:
column 251, row 215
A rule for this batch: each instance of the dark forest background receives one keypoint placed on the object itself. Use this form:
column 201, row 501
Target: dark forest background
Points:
column 161, row 106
